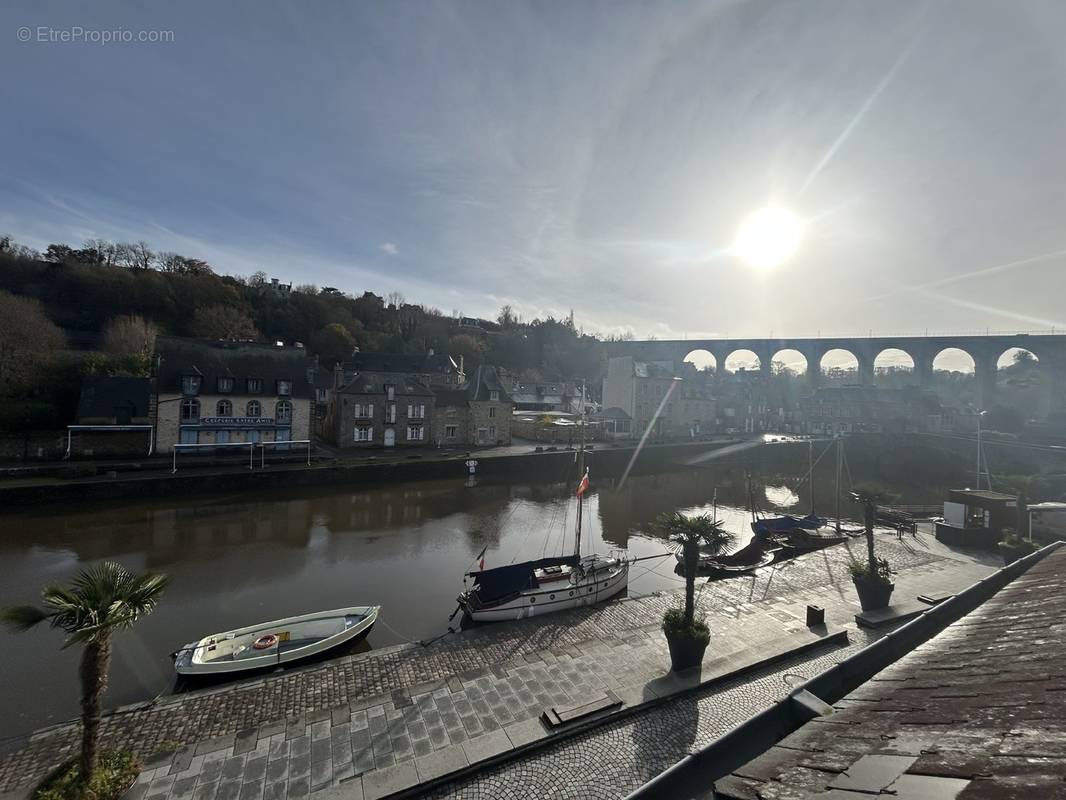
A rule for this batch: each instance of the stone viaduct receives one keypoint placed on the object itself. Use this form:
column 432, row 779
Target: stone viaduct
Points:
column 1049, row 349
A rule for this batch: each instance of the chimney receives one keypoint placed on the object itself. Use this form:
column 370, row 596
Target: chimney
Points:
column 462, row 373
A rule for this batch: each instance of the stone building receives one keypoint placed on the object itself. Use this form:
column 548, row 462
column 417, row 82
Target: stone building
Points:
column 213, row 392
column 383, row 410
column 475, row 413
column 639, row 388
column 869, row 409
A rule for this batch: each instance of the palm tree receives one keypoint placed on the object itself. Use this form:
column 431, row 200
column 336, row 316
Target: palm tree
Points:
column 869, row 499
column 697, row 533
column 99, row 602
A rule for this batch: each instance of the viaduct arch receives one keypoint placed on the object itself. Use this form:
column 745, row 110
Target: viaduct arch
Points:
column 1049, row 349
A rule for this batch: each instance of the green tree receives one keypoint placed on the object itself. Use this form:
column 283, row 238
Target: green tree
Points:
column 694, row 534
column 100, row 601
column 333, row 343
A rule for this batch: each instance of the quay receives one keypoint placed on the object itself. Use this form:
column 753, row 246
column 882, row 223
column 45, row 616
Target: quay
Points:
column 412, row 718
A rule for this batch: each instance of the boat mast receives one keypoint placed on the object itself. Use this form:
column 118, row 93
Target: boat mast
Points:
column 580, row 476
column 810, row 471
column 840, row 462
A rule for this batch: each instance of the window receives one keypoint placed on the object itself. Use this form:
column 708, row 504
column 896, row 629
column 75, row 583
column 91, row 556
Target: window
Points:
column 284, row 388
column 253, row 409
column 224, row 409
column 494, row 396
column 390, row 392
column 492, row 431
column 364, row 410
column 190, row 384
column 364, row 434
column 190, row 410
column 415, row 433
column 390, row 412
column 225, row 385
column 492, row 412
column 450, row 431
column 255, row 385
column 283, row 411
column 416, row 411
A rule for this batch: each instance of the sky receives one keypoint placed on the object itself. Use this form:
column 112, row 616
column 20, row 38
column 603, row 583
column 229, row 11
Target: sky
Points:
column 552, row 155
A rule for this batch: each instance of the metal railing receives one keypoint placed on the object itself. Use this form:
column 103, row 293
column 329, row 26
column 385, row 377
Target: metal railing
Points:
column 287, row 443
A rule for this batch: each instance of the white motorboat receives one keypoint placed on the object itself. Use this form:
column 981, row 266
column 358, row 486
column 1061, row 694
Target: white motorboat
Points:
column 534, row 588
column 269, row 644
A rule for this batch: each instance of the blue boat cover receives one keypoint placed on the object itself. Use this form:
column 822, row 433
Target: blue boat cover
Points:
column 492, row 584
column 769, row 525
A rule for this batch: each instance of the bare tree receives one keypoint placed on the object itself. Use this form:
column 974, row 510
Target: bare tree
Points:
column 130, row 335
column 28, row 343
column 106, row 252
column 135, row 255
column 223, row 322
column 395, row 299
column 257, row 279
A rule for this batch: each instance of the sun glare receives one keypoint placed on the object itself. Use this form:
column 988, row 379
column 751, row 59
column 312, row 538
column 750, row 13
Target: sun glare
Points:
column 768, row 237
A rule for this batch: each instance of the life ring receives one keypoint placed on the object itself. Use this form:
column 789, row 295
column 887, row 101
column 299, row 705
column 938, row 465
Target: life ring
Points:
column 265, row 642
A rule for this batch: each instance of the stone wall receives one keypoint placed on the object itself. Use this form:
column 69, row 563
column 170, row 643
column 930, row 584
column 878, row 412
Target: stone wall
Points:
column 480, row 419
column 446, row 416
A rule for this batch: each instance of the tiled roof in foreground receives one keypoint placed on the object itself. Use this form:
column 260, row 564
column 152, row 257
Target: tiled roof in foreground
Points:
column 979, row 711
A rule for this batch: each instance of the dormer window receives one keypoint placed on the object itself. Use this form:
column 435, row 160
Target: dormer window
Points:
column 190, row 384
column 390, row 392
column 255, row 385
column 494, row 396
column 225, row 385
column 284, row 388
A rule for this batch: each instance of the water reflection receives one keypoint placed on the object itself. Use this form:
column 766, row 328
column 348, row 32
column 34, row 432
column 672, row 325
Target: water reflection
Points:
column 239, row 559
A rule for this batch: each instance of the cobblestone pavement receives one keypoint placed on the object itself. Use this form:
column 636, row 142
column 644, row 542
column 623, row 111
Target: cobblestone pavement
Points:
column 611, row 761
column 332, row 721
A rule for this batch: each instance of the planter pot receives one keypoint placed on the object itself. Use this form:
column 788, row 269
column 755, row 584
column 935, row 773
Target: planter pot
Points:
column 873, row 594
column 1012, row 553
column 685, row 652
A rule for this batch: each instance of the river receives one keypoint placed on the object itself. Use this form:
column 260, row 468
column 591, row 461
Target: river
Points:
column 240, row 559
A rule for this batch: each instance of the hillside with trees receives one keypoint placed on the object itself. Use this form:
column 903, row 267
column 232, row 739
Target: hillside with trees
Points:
column 97, row 309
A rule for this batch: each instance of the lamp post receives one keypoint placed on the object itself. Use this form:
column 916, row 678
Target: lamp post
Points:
column 979, row 469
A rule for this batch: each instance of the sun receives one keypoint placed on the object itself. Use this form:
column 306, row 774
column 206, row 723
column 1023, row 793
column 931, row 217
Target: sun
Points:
column 768, row 237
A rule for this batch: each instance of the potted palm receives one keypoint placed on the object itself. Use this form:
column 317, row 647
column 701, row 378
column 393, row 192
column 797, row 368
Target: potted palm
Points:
column 873, row 580
column 1014, row 546
column 100, row 601
column 686, row 635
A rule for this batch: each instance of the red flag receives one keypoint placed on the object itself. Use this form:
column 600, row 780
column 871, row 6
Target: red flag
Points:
column 481, row 557
column 584, row 485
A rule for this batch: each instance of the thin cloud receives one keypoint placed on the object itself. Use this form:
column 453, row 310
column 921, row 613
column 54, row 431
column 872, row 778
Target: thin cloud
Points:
column 389, row 248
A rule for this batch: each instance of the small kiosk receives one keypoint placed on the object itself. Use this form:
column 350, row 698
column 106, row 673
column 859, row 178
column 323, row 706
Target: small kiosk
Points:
column 976, row 517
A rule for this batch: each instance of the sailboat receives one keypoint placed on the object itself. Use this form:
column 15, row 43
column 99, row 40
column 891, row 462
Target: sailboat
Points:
column 802, row 539
column 769, row 526
column 546, row 585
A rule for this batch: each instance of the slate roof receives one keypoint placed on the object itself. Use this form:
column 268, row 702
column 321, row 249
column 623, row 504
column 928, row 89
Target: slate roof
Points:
column 178, row 357
column 977, row 711
column 401, row 362
column 484, row 380
column 101, row 395
column 374, row 383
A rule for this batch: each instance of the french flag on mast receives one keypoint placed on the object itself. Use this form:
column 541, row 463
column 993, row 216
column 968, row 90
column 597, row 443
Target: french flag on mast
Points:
column 481, row 557
column 584, row 485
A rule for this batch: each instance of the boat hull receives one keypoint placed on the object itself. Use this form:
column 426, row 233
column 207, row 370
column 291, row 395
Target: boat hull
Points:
column 547, row 599
column 186, row 663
